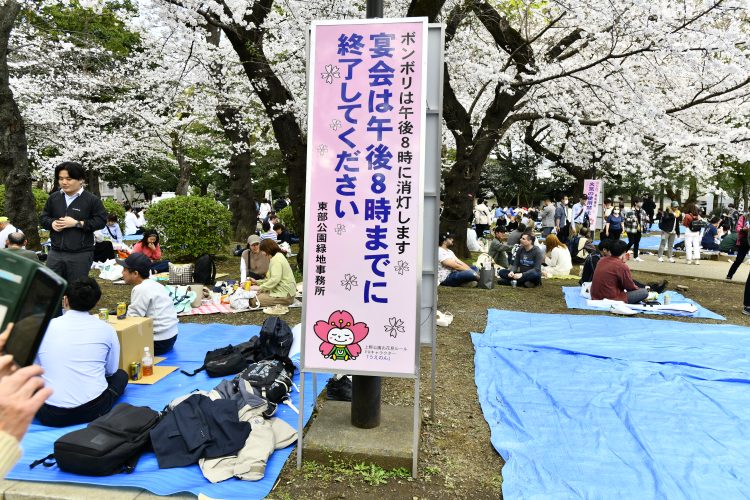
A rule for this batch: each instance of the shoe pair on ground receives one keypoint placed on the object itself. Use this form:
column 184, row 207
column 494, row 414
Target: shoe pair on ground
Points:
column 339, row 389
column 661, row 259
column 658, row 287
column 696, row 262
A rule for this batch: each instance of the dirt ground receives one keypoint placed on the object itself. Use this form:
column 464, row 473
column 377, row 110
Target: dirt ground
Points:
column 456, row 459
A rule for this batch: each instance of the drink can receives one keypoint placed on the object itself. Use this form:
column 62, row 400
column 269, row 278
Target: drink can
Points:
column 667, row 299
column 103, row 314
column 135, row 370
column 514, row 283
column 122, row 310
column 247, row 285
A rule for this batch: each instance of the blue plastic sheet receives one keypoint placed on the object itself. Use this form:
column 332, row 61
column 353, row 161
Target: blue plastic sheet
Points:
column 574, row 300
column 191, row 346
column 647, row 242
column 604, row 407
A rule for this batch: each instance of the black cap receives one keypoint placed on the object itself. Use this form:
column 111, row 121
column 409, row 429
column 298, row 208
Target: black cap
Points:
column 137, row 262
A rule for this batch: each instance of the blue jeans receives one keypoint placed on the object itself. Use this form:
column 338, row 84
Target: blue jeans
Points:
column 532, row 275
column 458, row 278
column 160, row 266
column 546, row 231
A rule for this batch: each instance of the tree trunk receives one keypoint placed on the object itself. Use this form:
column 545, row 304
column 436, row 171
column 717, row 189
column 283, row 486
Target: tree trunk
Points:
column 248, row 44
column 92, row 182
column 183, row 182
column 14, row 160
column 241, row 195
column 458, row 204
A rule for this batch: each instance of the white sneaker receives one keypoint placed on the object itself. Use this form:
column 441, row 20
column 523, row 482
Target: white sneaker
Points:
column 661, row 259
column 638, row 259
column 671, row 259
column 697, row 262
column 688, row 262
column 621, row 309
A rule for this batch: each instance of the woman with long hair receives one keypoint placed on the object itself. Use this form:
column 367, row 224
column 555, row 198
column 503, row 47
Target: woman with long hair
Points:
column 149, row 246
column 557, row 257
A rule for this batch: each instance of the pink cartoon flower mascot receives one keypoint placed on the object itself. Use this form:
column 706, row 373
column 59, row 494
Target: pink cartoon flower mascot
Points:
column 341, row 336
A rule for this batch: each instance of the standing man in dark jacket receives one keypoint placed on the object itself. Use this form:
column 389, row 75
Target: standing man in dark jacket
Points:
column 71, row 215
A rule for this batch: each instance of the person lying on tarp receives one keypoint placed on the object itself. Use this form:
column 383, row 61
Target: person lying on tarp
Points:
column 80, row 355
column 527, row 265
column 613, row 280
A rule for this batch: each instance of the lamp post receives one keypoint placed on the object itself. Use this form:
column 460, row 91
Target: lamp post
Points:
column 366, row 390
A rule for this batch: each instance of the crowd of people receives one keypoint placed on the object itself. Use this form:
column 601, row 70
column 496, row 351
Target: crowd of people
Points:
column 86, row 382
column 526, row 246
column 529, row 245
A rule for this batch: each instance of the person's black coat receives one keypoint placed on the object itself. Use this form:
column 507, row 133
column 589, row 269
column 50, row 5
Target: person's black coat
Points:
column 667, row 220
column 198, row 428
column 87, row 208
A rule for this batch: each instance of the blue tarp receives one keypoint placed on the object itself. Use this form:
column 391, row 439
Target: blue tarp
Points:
column 193, row 342
column 647, row 242
column 574, row 300
column 602, row 407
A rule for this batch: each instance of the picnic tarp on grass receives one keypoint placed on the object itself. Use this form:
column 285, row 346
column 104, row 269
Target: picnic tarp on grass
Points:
column 191, row 346
column 605, row 407
column 574, row 300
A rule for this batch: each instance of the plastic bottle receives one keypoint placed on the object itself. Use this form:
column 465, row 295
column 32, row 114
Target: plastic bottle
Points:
column 147, row 363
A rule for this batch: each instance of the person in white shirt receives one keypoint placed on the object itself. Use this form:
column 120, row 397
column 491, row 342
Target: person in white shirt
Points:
column 141, row 222
column 579, row 212
column 482, row 218
column 452, row 271
column 131, row 221
column 5, row 229
column 80, row 355
column 149, row 299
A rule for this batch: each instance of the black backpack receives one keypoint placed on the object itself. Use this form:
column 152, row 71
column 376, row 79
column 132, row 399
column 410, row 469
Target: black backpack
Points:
column 228, row 360
column 109, row 445
column 204, row 271
column 270, row 379
column 275, row 338
column 697, row 224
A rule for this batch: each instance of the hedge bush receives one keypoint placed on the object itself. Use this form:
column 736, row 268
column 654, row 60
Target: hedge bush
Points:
column 40, row 198
column 190, row 226
column 112, row 207
column 287, row 218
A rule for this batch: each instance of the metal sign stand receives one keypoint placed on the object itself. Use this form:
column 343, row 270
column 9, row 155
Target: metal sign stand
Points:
column 431, row 219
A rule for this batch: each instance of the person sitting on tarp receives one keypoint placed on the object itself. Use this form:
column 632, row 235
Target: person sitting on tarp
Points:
column 589, row 265
column 17, row 243
column 80, row 355
column 580, row 246
column 527, row 265
column 149, row 246
column 149, row 299
column 710, row 235
column 279, row 286
column 452, row 271
column 499, row 249
column 612, row 278
column 253, row 264
column 557, row 259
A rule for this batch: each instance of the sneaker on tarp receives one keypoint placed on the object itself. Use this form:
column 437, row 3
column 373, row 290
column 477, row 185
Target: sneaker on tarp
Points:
column 339, row 389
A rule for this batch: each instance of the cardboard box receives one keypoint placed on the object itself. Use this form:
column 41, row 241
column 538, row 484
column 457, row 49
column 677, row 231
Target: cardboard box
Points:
column 134, row 334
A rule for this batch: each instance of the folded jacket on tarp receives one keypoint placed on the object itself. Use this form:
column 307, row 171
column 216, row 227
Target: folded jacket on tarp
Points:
column 188, row 353
column 198, row 427
column 609, row 408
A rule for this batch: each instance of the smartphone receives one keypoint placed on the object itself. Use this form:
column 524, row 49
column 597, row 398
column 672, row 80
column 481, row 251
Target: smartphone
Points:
column 30, row 295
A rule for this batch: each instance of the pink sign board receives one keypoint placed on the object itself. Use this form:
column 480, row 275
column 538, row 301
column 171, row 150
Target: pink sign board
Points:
column 363, row 233
column 593, row 189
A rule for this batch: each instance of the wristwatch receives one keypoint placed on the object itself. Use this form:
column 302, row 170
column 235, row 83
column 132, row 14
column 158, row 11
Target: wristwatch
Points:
column 79, row 224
